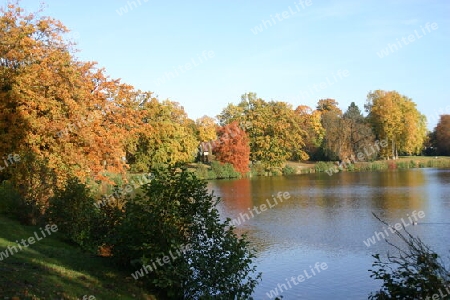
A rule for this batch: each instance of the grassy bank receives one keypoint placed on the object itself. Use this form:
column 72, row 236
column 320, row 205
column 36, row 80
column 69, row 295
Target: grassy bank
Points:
column 404, row 162
column 218, row 171
column 53, row 269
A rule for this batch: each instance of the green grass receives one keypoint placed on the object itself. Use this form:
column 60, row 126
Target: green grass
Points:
column 53, row 269
column 404, row 162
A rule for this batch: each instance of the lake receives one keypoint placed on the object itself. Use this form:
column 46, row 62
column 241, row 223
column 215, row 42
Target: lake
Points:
column 323, row 235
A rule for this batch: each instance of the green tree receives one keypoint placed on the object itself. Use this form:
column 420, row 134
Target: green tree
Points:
column 176, row 214
column 170, row 140
column 272, row 140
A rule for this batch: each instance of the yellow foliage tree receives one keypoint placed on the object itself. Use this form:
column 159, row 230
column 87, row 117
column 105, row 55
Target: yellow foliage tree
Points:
column 396, row 118
column 206, row 128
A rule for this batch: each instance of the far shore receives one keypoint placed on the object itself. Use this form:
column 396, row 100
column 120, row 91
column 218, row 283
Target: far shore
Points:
column 333, row 167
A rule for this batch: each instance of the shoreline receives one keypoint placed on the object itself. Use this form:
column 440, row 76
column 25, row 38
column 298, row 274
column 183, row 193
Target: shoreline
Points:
column 332, row 167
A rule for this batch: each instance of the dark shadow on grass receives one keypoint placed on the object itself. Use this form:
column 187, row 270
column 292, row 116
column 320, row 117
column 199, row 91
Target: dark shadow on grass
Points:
column 53, row 269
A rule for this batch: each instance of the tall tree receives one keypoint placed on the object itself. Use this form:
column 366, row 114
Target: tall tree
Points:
column 329, row 105
column 331, row 119
column 171, row 140
column 238, row 112
column 309, row 121
column 272, row 140
column 54, row 109
column 358, row 132
column 206, row 129
column 233, row 147
column 396, row 118
column 414, row 128
column 442, row 135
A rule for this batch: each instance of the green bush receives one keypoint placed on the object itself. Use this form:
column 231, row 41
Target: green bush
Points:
column 223, row 171
column 402, row 165
column 322, row 166
column 438, row 163
column 351, row 167
column 217, row 170
column 11, row 201
column 72, row 210
column 276, row 172
column 258, row 169
column 378, row 166
column 176, row 214
column 415, row 273
column 202, row 171
column 306, row 171
column 288, row 170
column 362, row 166
column 35, row 181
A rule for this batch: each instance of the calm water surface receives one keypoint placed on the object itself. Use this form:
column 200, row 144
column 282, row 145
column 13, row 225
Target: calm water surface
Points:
column 327, row 219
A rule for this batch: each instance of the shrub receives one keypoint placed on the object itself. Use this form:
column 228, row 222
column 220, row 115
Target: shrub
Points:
column 72, row 209
column 223, row 171
column 379, row 166
column 217, row 170
column 276, row 172
column 403, row 165
column 202, row 171
column 415, row 273
column 288, row 170
column 364, row 166
column 258, row 169
column 322, row 166
column 351, row 167
column 306, row 171
column 35, row 181
column 11, row 201
column 176, row 214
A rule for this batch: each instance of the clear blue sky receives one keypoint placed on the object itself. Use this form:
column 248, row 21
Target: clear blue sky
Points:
column 293, row 51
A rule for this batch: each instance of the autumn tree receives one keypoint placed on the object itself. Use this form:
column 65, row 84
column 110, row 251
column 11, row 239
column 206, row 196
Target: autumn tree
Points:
column 56, row 111
column 331, row 120
column 357, row 131
column 171, row 140
column 206, row 129
column 395, row 117
column 273, row 140
column 309, row 121
column 233, row 147
column 232, row 113
column 442, row 135
column 329, row 105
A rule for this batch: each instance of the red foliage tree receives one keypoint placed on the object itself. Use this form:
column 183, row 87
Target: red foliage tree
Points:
column 233, row 147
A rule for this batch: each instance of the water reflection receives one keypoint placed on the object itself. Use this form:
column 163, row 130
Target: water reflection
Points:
column 328, row 218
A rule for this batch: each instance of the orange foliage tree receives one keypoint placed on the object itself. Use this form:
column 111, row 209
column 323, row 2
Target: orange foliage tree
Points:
column 233, row 147
column 64, row 117
column 442, row 135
